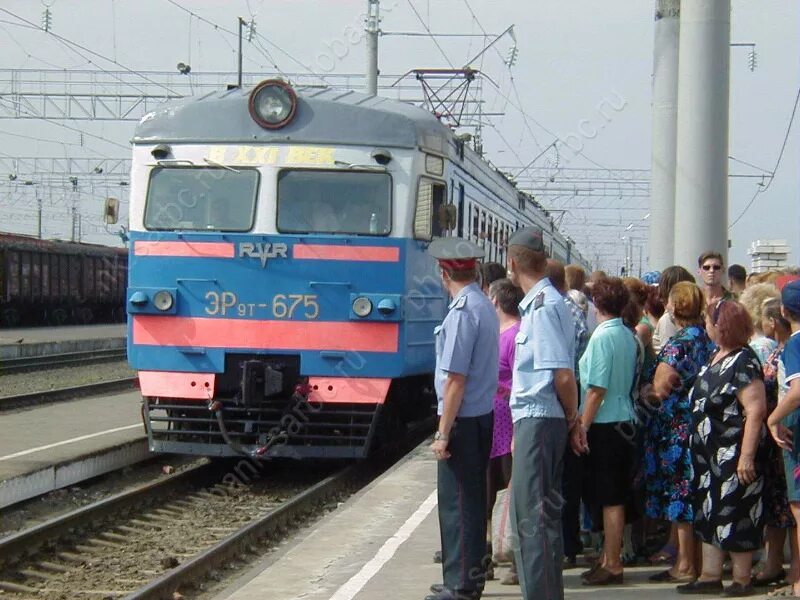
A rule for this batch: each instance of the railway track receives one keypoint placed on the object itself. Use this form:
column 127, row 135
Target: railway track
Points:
column 69, row 393
column 173, row 534
column 27, row 364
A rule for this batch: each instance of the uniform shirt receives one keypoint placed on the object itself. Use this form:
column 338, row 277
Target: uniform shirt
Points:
column 545, row 342
column 466, row 343
column 610, row 363
column 788, row 365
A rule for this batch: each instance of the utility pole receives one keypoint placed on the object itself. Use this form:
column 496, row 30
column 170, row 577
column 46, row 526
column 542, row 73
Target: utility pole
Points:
column 373, row 30
column 239, row 72
column 665, row 129
column 701, row 182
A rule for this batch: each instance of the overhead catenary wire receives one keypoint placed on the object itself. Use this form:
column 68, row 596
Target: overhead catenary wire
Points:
column 764, row 187
column 257, row 35
column 90, row 51
column 54, row 122
column 430, row 34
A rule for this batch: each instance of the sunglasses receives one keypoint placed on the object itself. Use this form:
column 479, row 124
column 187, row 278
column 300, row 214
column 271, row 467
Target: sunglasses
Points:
column 712, row 267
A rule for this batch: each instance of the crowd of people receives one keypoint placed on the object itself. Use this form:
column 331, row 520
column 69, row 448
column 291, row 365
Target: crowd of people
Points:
column 662, row 410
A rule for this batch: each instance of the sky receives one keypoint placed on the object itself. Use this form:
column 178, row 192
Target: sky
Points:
column 574, row 57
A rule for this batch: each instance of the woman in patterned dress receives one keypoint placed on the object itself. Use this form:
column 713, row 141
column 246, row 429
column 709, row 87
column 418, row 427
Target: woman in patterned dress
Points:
column 668, row 464
column 728, row 439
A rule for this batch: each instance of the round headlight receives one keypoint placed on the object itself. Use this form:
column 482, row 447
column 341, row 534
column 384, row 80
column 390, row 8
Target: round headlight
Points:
column 163, row 300
column 272, row 103
column 362, row 306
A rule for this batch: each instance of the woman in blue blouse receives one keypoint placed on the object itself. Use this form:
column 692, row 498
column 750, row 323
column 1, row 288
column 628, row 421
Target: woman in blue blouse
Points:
column 608, row 369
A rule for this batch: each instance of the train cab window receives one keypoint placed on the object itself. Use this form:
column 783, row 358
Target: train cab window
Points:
column 201, row 199
column 431, row 214
column 337, row 202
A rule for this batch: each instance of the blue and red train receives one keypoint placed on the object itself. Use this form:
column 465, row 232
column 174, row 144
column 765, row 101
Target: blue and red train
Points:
column 281, row 301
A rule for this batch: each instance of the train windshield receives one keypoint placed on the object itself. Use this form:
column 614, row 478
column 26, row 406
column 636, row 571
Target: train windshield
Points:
column 346, row 202
column 201, row 199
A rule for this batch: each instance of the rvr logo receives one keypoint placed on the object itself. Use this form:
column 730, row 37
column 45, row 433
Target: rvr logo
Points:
column 262, row 251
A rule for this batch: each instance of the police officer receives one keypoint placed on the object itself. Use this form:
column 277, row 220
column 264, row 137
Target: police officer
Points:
column 544, row 409
column 466, row 380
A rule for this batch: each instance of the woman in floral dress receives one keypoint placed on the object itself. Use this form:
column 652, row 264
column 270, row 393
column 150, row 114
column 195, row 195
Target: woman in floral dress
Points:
column 728, row 442
column 668, row 464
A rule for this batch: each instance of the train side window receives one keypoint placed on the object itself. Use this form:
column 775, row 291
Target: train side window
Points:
column 489, row 227
column 475, row 224
column 431, row 215
column 461, row 216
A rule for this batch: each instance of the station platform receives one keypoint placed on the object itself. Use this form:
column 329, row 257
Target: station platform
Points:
column 40, row 341
column 379, row 545
column 56, row 445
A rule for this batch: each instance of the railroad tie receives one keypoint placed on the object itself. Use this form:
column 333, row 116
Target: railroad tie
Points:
column 128, row 529
column 17, row 588
column 166, row 512
column 71, row 557
column 34, row 574
column 55, row 568
column 101, row 543
column 113, row 537
column 145, row 524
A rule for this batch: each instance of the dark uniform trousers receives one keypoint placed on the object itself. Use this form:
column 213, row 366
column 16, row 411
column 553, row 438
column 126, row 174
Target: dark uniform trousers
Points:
column 461, row 485
column 572, row 489
column 536, row 505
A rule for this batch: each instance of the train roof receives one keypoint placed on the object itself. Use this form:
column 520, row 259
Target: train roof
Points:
column 29, row 243
column 324, row 116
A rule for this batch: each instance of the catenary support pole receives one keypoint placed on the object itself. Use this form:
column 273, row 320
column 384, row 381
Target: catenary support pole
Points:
column 239, row 64
column 665, row 127
column 373, row 30
column 701, row 183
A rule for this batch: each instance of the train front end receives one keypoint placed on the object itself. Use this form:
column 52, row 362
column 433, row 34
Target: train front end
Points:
column 268, row 290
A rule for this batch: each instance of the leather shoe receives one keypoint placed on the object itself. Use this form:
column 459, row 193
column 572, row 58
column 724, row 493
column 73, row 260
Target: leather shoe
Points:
column 708, row 588
column 603, row 577
column 737, row 590
column 437, row 588
column 447, row 594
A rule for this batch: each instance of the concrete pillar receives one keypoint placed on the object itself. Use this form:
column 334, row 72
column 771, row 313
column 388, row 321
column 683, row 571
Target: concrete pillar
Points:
column 701, row 183
column 665, row 129
column 373, row 30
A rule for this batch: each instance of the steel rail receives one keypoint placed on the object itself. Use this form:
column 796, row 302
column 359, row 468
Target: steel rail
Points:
column 70, row 393
column 25, row 364
column 25, row 543
column 198, row 567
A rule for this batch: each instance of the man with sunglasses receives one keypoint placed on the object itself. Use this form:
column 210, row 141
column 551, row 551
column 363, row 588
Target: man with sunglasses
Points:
column 710, row 267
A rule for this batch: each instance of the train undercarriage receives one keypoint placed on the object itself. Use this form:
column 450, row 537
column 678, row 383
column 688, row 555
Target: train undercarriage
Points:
column 262, row 408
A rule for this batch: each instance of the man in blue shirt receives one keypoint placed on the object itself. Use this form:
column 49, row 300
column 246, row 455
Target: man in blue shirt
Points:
column 544, row 408
column 572, row 480
column 465, row 380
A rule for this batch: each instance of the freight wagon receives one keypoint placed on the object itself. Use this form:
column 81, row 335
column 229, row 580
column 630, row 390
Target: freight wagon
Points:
column 54, row 282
